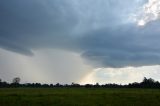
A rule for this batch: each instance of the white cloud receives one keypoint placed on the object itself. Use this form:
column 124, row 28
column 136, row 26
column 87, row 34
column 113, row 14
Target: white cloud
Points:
column 150, row 12
column 121, row 75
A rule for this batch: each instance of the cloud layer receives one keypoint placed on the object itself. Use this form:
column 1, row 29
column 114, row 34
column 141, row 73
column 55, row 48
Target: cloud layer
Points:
column 27, row 25
column 103, row 32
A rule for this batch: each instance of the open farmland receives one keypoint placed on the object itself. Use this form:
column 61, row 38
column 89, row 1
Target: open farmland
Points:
column 79, row 96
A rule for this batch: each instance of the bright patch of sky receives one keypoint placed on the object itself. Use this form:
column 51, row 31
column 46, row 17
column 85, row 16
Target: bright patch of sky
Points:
column 150, row 11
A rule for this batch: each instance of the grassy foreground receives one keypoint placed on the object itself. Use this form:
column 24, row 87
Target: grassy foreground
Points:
column 79, row 96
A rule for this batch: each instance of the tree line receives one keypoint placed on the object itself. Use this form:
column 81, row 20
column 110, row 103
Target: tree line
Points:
column 146, row 83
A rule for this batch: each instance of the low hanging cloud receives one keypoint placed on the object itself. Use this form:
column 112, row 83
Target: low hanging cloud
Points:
column 121, row 48
column 32, row 24
column 102, row 31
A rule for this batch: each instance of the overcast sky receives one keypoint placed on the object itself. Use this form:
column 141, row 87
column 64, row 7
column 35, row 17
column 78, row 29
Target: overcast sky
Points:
column 83, row 41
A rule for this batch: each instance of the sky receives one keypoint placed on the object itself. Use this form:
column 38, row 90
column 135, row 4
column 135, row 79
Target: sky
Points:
column 81, row 41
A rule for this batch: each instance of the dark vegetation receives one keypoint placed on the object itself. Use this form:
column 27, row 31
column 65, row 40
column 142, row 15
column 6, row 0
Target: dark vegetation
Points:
column 146, row 83
column 36, row 94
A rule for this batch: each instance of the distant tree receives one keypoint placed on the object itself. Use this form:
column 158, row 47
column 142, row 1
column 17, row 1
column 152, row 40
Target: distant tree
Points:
column 0, row 80
column 16, row 80
column 145, row 80
column 148, row 81
column 88, row 85
column 57, row 85
column 51, row 85
column 75, row 85
column 97, row 85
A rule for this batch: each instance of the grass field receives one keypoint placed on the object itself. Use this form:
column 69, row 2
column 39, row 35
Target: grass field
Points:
column 79, row 97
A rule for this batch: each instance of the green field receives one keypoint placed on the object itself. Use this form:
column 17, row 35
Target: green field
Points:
column 79, row 96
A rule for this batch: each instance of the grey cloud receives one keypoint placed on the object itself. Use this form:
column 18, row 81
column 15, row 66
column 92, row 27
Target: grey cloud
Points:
column 100, row 30
column 30, row 24
column 125, row 46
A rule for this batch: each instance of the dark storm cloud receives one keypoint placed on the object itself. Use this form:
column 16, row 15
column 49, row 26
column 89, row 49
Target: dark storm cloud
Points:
column 28, row 24
column 122, row 47
column 100, row 30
